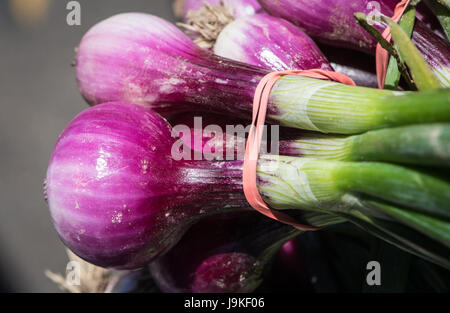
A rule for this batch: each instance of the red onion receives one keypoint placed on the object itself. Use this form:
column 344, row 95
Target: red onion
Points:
column 224, row 253
column 332, row 22
column 289, row 271
column 146, row 60
column 357, row 65
column 271, row 43
column 119, row 198
column 136, row 281
column 221, row 254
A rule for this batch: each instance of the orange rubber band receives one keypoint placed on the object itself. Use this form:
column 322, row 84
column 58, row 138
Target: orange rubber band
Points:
column 381, row 55
column 260, row 103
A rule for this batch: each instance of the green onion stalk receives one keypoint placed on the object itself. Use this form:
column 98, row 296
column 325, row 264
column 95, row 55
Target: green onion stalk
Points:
column 423, row 145
column 363, row 191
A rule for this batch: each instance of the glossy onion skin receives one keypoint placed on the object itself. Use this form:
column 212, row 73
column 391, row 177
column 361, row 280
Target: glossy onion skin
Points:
column 146, row 60
column 240, row 7
column 332, row 22
column 212, row 257
column 228, row 269
column 136, row 281
column 357, row 65
column 117, row 198
column 269, row 42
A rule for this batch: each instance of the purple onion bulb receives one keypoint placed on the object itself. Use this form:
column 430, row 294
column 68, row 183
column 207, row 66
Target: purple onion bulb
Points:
column 269, row 42
column 240, row 7
column 118, row 199
column 146, row 60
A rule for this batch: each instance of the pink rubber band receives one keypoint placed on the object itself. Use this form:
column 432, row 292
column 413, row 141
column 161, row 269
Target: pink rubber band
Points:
column 260, row 103
column 381, row 55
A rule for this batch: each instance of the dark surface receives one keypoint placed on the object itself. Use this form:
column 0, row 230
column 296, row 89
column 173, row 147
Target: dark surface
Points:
column 38, row 97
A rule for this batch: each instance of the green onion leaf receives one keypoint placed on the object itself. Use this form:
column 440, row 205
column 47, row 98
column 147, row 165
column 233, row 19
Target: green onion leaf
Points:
column 421, row 73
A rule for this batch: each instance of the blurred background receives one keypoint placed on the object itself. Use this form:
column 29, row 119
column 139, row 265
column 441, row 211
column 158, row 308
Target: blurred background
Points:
column 38, row 97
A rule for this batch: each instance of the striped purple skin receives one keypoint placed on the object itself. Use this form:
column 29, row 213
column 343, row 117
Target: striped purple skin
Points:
column 269, row 42
column 227, row 272
column 434, row 49
column 332, row 22
column 240, row 7
column 116, row 196
column 146, row 60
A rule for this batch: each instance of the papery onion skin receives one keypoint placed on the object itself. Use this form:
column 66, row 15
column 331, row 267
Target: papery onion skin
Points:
column 117, row 198
column 269, row 42
column 240, row 7
column 332, row 22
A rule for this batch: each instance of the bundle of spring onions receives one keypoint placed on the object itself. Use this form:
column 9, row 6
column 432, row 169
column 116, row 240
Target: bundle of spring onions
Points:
column 131, row 175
